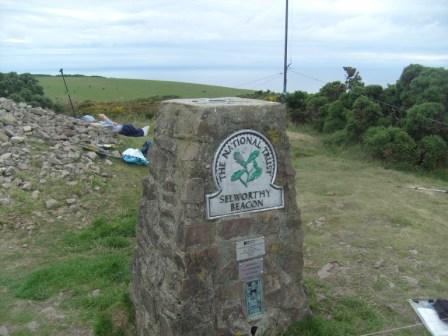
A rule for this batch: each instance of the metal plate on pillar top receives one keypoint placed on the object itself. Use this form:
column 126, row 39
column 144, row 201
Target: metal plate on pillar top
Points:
column 244, row 171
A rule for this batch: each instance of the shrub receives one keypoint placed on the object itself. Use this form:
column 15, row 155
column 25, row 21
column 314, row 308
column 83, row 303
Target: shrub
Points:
column 424, row 119
column 364, row 114
column 374, row 92
column 296, row 106
column 433, row 152
column 263, row 95
column 337, row 138
column 323, row 112
column 332, row 91
column 313, row 107
column 419, row 84
column 23, row 88
column 390, row 144
column 336, row 117
column 349, row 98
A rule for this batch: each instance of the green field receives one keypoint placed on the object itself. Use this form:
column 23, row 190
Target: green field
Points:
column 116, row 89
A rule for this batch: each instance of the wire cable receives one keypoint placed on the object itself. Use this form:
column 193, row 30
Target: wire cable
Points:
column 306, row 76
column 269, row 77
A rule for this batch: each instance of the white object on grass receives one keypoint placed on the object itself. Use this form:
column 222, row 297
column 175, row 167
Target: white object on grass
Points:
column 428, row 315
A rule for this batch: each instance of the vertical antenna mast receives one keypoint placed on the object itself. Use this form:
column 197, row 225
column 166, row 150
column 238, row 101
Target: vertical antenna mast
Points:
column 285, row 65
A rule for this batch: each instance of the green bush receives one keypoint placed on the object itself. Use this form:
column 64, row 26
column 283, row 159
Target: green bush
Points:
column 335, row 118
column 364, row 114
column 419, row 84
column 390, row 144
column 349, row 98
column 323, row 111
column 391, row 104
column 332, row 91
column 296, row 106
column 24, row 88
column 374, row 92
column 433, row 152
column 313, row 107
column 425, row 119
column 337, row 138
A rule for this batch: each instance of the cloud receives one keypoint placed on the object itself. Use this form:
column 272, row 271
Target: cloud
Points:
column 14, row 40
column 232, row 33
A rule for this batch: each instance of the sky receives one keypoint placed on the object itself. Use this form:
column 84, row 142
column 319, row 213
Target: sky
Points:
column 224, row 42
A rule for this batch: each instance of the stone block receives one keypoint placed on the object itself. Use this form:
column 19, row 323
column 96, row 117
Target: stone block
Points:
column 193, row 191
column 3, row 137
column 202, row 234
column 189, row 151
column 186, row 278
column 238, row 227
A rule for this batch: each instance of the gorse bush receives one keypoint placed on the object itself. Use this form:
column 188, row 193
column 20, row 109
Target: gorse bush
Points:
column 332, row 91
column 297, row 106
column 364, row 114
column 24, row 88
column 397, row 117
column 391, row 144
column 433, row 152
column 146, row 108
column 335, row 117
column 424, row 119
column 314, row 111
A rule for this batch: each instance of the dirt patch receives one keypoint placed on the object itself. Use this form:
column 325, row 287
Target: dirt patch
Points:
column 295, row 136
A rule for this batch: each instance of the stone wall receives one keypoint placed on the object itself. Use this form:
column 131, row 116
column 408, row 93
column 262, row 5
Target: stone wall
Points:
column 185, row 272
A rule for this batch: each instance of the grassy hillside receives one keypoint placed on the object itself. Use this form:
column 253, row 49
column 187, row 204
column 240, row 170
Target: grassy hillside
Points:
column 385, row 241
column 116, row 89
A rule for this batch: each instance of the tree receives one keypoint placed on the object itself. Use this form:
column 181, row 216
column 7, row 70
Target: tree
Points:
column 352, row 77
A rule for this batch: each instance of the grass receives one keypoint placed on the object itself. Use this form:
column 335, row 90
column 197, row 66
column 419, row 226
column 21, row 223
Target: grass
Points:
column 336, row 316
column 387, row 240
column 83, row 262
column 69, row 272
column 115, row 89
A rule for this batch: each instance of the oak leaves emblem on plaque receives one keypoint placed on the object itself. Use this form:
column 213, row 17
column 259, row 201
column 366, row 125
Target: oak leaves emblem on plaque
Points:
column 250, row 171
column 244, row 171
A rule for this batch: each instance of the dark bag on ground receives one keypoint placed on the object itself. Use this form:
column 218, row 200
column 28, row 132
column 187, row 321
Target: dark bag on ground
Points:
column 441, row 307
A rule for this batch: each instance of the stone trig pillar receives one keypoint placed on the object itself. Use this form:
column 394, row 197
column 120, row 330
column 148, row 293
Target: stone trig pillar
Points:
column 219, row 236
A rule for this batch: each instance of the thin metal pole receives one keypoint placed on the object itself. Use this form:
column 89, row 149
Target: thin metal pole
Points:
column 68, row 93
column 285, row 65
